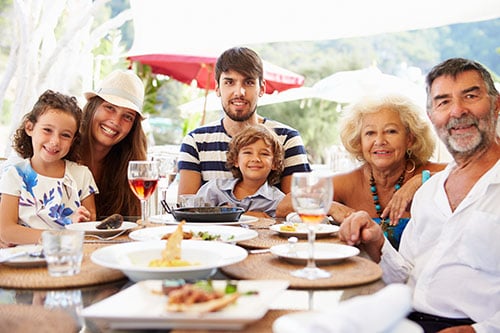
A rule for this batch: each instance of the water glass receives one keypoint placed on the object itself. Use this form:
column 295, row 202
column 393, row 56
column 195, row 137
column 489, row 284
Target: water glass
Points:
column 189, row 200
column 63, row 251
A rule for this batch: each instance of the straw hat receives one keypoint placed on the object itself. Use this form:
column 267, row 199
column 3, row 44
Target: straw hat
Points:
column 121, row 88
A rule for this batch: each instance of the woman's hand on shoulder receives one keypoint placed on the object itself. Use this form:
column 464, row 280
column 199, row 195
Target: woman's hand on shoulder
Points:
column 401, row 200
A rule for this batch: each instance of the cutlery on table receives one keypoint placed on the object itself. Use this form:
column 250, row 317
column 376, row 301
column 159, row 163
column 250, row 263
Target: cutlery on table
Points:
column 106, row 238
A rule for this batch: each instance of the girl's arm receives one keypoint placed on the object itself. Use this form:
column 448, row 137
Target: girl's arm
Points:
column 86, row 212
column 11, row 232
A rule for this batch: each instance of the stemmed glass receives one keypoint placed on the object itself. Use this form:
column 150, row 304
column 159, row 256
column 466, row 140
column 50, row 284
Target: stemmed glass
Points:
column 167, row 170
column 312, row 195
column 143, row 179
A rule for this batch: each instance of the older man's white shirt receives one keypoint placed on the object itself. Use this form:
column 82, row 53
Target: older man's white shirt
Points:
column 452, row 259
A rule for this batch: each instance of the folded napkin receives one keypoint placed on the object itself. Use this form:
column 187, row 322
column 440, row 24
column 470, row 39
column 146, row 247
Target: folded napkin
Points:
column 293, row 217
column 377, row 313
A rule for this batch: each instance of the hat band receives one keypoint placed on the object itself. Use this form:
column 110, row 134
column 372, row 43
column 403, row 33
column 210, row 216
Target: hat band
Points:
column 121, row 93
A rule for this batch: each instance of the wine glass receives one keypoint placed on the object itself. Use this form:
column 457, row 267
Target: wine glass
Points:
column 167, row 170
column 143, row 179
column 312, row 195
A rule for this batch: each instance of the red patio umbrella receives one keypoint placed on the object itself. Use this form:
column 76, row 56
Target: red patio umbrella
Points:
column 186, row 68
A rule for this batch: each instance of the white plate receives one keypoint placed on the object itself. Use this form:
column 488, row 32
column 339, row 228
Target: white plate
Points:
column 301, row 230
column 227, row 234
column 169, row 219
column 301, row 322
column 140, row 307
column 24, row 260
column 133, row 259
column 90, row 228
column 324, row 253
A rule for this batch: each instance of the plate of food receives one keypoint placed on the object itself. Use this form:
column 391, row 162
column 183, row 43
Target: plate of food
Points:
column 299, row 230
column 148, row 305
column 171, row 259
column 169, row 219
column 324, row 253
column 108, row 227
column 29, row 255
column 227, row 234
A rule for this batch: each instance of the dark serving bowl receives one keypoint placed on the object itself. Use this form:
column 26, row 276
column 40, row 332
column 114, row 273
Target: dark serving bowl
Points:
column 208, row 214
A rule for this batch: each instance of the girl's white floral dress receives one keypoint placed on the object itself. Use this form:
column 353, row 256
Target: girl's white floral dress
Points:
column 45, row 202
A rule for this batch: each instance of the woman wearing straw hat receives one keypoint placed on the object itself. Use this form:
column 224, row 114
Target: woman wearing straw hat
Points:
column 112, row 136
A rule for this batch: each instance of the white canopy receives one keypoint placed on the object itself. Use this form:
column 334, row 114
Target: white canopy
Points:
column 208, row 27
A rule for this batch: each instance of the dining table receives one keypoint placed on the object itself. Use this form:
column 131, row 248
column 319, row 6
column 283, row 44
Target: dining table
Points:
column 31, row 300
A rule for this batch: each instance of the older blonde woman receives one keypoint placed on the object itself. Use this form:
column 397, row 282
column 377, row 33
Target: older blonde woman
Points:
column 394, row 141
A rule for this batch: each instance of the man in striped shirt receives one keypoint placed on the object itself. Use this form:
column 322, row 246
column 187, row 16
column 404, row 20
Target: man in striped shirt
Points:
column 239, row 83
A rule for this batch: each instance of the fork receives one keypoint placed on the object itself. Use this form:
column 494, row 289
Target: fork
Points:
column 106, row 238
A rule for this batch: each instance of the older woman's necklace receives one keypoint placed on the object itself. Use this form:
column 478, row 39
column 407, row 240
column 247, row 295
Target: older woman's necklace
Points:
column 376, row 199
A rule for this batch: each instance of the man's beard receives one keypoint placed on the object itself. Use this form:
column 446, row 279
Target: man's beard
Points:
column 239, row 117
column 468, row 144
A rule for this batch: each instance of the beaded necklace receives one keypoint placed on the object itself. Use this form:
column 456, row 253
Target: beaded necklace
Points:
column 373, row 189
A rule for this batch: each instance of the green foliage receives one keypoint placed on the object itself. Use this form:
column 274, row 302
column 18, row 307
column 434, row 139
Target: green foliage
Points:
column 152, row 86
column 315, row 120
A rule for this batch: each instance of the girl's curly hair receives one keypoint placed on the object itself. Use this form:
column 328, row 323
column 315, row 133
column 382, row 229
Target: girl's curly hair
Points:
column 49, row 100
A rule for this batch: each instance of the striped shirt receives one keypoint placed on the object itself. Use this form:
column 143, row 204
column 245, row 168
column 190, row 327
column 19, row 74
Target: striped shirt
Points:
column 204, row 150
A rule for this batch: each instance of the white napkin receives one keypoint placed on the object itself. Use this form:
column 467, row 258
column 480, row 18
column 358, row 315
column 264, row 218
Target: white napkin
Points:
column 293, row 217
column 377, row 313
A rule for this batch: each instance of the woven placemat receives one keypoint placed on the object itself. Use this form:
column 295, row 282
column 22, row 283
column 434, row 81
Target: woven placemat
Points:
column 23, row 318
column 264, row 325
column 268, row 238
column 350, row 272
column 39, row 278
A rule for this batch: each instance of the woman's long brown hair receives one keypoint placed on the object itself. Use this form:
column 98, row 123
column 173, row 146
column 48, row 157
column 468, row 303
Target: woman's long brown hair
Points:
column 115, row 195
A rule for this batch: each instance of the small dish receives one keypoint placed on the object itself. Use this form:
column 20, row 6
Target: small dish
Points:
column 324, row 253
column 299, row 230
column 25, row 260
column 90, row 228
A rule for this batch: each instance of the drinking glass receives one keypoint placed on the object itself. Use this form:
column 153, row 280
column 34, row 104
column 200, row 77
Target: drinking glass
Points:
column 143, row 179
column 312, row 195
column 63, row 250
column 167, row 170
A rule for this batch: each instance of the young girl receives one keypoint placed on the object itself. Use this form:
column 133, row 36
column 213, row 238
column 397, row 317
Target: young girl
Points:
column 256, row 158
column 48, row 189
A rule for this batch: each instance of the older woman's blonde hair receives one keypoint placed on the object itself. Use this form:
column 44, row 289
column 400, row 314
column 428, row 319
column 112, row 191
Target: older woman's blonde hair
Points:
column 411, row 116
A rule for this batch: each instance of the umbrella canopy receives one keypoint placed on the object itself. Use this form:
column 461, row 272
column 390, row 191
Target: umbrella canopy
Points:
column 186, row 68
column 348, row 86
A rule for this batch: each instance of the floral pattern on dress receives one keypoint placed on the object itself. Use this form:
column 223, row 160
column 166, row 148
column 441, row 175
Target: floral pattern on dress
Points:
column 58, row 212
column 47, row 202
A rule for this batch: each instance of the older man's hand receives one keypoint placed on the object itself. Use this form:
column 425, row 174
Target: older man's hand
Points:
column 359, row 229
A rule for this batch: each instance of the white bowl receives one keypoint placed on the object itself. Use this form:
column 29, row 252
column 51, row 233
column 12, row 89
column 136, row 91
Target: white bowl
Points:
column 133, row 259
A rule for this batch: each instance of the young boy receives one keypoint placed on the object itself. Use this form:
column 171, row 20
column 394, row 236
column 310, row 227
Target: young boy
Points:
column 256, row 158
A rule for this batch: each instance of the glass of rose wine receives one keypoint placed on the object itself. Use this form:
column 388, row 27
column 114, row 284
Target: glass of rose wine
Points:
column 143, row 179
column 312, row 196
